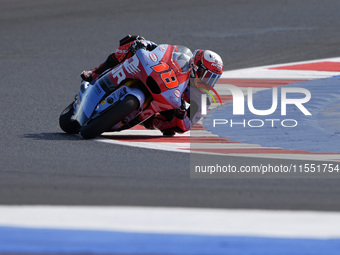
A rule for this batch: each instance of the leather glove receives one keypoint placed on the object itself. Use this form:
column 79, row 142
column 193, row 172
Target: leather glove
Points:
column 137, row 45
column 86, row 76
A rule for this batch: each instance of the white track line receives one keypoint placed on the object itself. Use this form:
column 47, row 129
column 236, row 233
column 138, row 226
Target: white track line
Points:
column 264, row 223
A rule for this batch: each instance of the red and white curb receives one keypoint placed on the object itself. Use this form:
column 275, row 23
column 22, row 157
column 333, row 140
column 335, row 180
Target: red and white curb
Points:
column 199, row 140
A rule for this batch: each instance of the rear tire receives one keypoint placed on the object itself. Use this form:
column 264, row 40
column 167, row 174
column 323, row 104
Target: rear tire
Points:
column 66, row 123
column 110, row 118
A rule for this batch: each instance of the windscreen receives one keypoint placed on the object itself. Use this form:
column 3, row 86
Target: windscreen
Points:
column 182, row 56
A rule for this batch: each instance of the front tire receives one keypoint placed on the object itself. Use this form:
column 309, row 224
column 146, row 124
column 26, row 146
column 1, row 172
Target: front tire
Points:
column 110, row 118
column 66, row 123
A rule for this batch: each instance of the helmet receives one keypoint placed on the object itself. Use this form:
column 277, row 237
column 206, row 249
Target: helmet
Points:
column 207, row 66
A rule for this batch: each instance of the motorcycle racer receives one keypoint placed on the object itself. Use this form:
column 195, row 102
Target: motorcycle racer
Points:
column 206, row 68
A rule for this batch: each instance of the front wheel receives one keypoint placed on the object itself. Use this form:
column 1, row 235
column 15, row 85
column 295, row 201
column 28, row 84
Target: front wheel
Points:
column 110, row 118
column 66, row 123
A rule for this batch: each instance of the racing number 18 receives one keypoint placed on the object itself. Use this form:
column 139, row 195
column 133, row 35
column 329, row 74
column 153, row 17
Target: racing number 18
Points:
column 169, row 78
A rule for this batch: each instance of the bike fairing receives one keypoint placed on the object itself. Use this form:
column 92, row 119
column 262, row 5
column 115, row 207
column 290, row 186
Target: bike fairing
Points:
column 141, row 66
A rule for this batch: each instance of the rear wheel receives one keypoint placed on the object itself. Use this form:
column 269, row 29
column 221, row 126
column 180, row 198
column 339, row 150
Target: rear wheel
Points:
column 110, row 118
column 66, row 123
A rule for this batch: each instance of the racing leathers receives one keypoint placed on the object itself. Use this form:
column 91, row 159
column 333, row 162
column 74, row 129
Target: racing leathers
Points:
column 127, row 48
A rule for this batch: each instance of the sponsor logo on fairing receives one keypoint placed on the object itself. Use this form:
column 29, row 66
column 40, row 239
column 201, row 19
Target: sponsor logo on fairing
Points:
column 119, row 74
column 131, row 65
column 177, row 93
column 153, row 57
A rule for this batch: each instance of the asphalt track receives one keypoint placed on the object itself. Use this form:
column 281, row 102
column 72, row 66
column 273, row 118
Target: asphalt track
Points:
column 46, row 44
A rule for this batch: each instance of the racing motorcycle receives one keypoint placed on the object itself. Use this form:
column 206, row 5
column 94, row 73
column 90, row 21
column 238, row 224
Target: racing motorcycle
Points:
column 147, row 83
